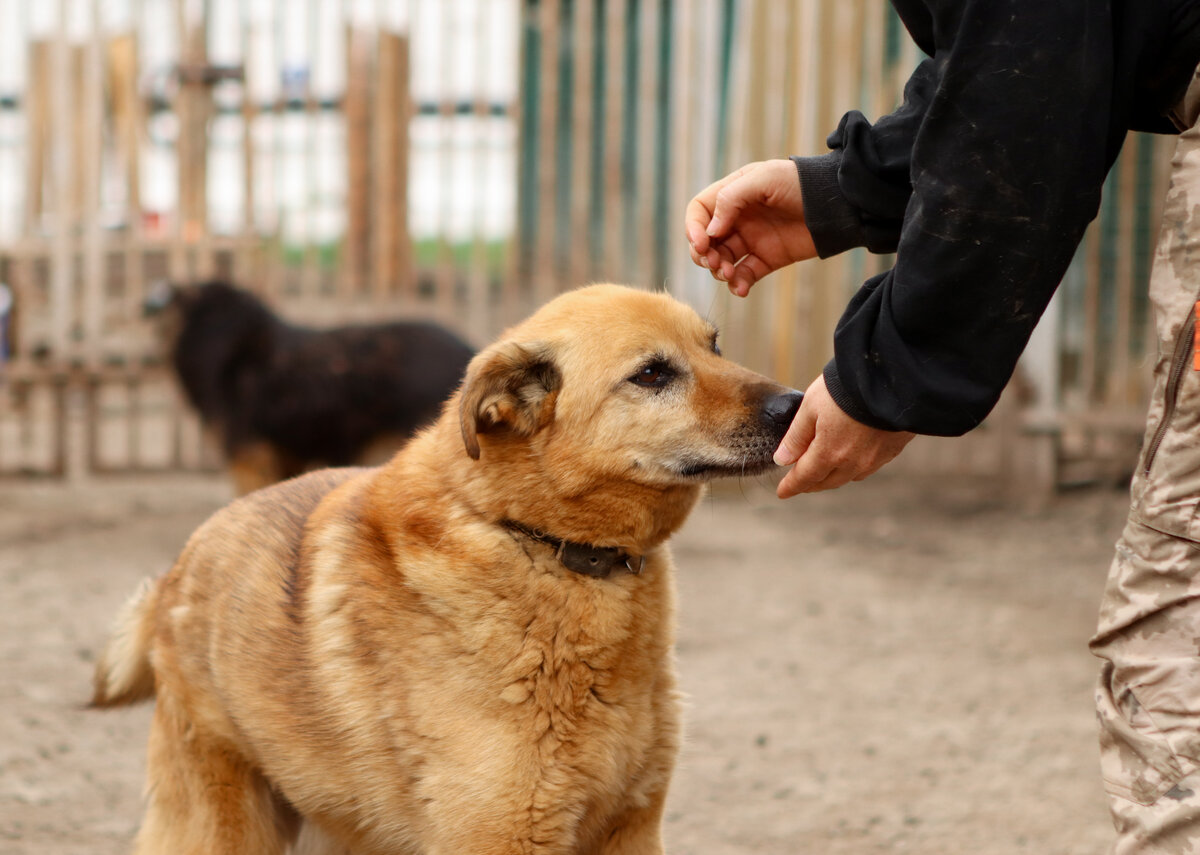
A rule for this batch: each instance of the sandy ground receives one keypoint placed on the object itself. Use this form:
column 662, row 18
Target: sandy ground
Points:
column 894, row 667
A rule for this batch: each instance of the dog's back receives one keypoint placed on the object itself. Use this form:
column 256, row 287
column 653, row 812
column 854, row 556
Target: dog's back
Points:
column 326, row 395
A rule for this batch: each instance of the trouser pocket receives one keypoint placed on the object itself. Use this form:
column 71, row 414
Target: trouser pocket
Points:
column 1148, row 697
column 1136, row 758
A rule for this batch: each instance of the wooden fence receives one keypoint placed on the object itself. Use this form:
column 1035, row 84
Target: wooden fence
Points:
column 464, row 160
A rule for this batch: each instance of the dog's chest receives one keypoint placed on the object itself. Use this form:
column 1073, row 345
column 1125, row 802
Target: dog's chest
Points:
column 588, row 687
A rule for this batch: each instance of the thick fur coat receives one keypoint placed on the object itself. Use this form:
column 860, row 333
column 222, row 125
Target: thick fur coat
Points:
column 399, row 660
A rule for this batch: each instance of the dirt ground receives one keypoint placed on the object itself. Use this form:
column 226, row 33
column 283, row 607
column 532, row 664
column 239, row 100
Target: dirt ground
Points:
column 893, row 667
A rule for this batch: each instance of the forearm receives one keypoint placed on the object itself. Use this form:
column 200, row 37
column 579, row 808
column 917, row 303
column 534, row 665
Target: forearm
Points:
column 1006, row 171
column 856, row 195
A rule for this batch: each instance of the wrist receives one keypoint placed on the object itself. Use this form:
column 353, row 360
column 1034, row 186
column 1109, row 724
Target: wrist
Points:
column 832, row 221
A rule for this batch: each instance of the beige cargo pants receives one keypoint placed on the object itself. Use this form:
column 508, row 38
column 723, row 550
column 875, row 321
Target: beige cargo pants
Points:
column 1148, row 697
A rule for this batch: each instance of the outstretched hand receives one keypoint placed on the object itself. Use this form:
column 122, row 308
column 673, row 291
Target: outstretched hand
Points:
column 749, row 223
column 829, row 448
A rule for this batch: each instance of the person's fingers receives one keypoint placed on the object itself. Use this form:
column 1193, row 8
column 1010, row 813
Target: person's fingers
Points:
column 696, row 220
column 732, row 247
column 749, row 269
column 698, row 216
column 720, row 255
column 729, row 202
column 697, row 238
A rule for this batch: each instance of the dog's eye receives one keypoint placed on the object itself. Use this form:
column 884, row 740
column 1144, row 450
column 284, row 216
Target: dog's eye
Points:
column 653, row 376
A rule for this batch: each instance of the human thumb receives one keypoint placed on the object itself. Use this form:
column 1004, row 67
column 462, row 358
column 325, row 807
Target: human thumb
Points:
column 798, row 437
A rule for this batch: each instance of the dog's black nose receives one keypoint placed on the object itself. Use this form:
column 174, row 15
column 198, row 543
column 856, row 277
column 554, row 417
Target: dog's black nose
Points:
column 780, row 409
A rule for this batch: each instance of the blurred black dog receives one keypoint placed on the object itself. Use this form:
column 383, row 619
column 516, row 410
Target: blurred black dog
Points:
column 284, row 399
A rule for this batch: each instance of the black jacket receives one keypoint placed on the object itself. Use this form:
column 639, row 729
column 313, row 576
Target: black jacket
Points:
column 982, row 182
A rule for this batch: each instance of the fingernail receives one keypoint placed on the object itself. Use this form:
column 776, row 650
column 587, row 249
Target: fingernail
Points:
column 783, row 457
column 704, row 261
column 714, row 226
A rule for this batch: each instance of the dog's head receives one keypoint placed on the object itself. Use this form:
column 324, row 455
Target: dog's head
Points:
column 209, row 331
column 609, row 395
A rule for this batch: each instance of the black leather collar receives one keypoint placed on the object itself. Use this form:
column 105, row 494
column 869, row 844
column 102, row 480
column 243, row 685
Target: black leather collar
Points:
column 597, row 562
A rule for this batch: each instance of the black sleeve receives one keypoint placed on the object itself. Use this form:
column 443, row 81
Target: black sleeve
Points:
column 857, row 194
column 1011, row 128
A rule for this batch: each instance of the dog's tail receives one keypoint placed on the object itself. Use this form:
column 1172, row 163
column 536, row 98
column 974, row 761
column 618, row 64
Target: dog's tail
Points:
column 124, row 674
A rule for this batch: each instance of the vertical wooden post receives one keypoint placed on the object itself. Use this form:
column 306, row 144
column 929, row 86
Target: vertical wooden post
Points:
column 616, row 253
column 248, row 232
column 445, row 284
column 545, row 276
column 310, row 273
column 91, row 94
column 582, row 126
column 795, row 284
column 358, row 156
column 480, row 309
column 1116, row 392
column 179, row 262
column 403, row 261
column 61, row 138
column 386, row 228
column 644, row 176
column 37, row 107
column 127, row 119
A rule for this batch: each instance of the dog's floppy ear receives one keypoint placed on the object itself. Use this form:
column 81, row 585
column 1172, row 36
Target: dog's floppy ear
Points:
column 509, row 386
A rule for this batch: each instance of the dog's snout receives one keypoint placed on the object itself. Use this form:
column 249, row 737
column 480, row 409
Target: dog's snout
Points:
column 779, row 410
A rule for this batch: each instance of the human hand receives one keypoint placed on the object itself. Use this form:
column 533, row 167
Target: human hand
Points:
column 749, row 223
column 829, row 448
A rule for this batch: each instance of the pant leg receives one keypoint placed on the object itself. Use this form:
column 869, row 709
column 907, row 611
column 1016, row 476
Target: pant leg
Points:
column 1148, row 697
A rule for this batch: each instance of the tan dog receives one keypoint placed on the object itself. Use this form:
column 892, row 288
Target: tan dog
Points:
column 468, row 650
